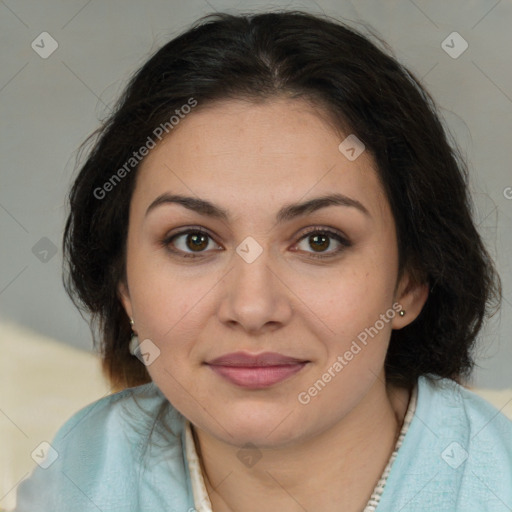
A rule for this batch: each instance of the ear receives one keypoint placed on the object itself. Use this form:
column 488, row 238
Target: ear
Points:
column 124, row 296
column 412, row 296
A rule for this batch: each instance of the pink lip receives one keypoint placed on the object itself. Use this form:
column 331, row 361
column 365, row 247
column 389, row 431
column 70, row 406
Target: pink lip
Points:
column 256, row 371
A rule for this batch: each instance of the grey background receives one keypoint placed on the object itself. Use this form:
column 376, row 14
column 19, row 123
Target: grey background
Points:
column 49, row 106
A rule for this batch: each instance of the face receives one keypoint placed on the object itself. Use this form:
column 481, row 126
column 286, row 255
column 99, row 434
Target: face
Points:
column 245, row 266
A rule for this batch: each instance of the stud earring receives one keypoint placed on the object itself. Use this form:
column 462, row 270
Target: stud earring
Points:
column 402, row 312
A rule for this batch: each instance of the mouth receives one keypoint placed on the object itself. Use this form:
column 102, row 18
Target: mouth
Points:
column 256, row 371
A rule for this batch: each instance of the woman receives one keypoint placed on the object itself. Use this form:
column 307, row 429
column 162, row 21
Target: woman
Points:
column 275, row 238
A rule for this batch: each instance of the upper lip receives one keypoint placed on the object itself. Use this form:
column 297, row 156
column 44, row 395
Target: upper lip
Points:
column 246, row 359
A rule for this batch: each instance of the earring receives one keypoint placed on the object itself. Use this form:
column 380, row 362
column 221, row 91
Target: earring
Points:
column 402, row 312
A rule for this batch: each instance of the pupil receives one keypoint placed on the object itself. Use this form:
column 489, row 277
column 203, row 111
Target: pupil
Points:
column 325, row 243
column 198, row 241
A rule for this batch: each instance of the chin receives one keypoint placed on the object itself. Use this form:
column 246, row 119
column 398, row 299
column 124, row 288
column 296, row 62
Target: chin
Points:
column 265, row 427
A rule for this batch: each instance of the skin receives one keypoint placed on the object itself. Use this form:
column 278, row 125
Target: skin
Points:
column 252, row 159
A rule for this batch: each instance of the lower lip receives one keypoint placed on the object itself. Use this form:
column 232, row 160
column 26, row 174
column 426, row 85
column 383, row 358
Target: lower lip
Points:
column 257, row 377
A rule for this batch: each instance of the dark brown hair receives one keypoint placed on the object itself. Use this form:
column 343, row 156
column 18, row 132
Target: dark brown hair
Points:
column 368, row 93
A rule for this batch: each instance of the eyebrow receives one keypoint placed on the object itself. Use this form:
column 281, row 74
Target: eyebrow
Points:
column 286, row 213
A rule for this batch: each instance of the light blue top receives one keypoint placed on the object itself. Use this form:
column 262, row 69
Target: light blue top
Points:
column 456, row 457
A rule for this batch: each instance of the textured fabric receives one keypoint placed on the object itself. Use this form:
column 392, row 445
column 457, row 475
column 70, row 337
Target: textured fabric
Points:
column 202, row 501
column 128, row 452
column 456, row 456
column 372, row 504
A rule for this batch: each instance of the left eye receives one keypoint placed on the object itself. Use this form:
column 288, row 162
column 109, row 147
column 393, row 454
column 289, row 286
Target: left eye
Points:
column 320, row 241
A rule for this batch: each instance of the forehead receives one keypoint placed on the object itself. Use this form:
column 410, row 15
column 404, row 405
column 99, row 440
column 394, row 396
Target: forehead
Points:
column 255, row 155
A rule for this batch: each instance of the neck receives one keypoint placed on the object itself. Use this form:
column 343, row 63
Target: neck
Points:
column 336, row 470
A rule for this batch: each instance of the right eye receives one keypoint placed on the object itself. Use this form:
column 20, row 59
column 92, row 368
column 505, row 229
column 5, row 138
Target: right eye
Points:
column 187, row 242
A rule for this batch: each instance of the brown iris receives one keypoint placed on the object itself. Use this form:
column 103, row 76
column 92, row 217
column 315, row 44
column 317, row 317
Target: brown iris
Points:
column 197, row 241
column 320, row 241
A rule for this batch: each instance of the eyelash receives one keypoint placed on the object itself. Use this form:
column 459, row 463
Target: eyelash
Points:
column 166, row 242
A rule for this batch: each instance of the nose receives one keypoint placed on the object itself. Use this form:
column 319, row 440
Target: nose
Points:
column 256, row 298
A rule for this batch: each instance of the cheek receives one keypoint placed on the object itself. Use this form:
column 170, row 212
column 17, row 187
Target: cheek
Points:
column 353, row 307
column 167, row 316
column 351, row 298
column 166, row 300
column 171, row 311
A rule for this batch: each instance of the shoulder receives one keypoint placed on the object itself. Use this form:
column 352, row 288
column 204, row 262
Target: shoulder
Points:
column 122, row 424
column 135, row 409
column 109, row 453
column 456, row 455
column 454, row 407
